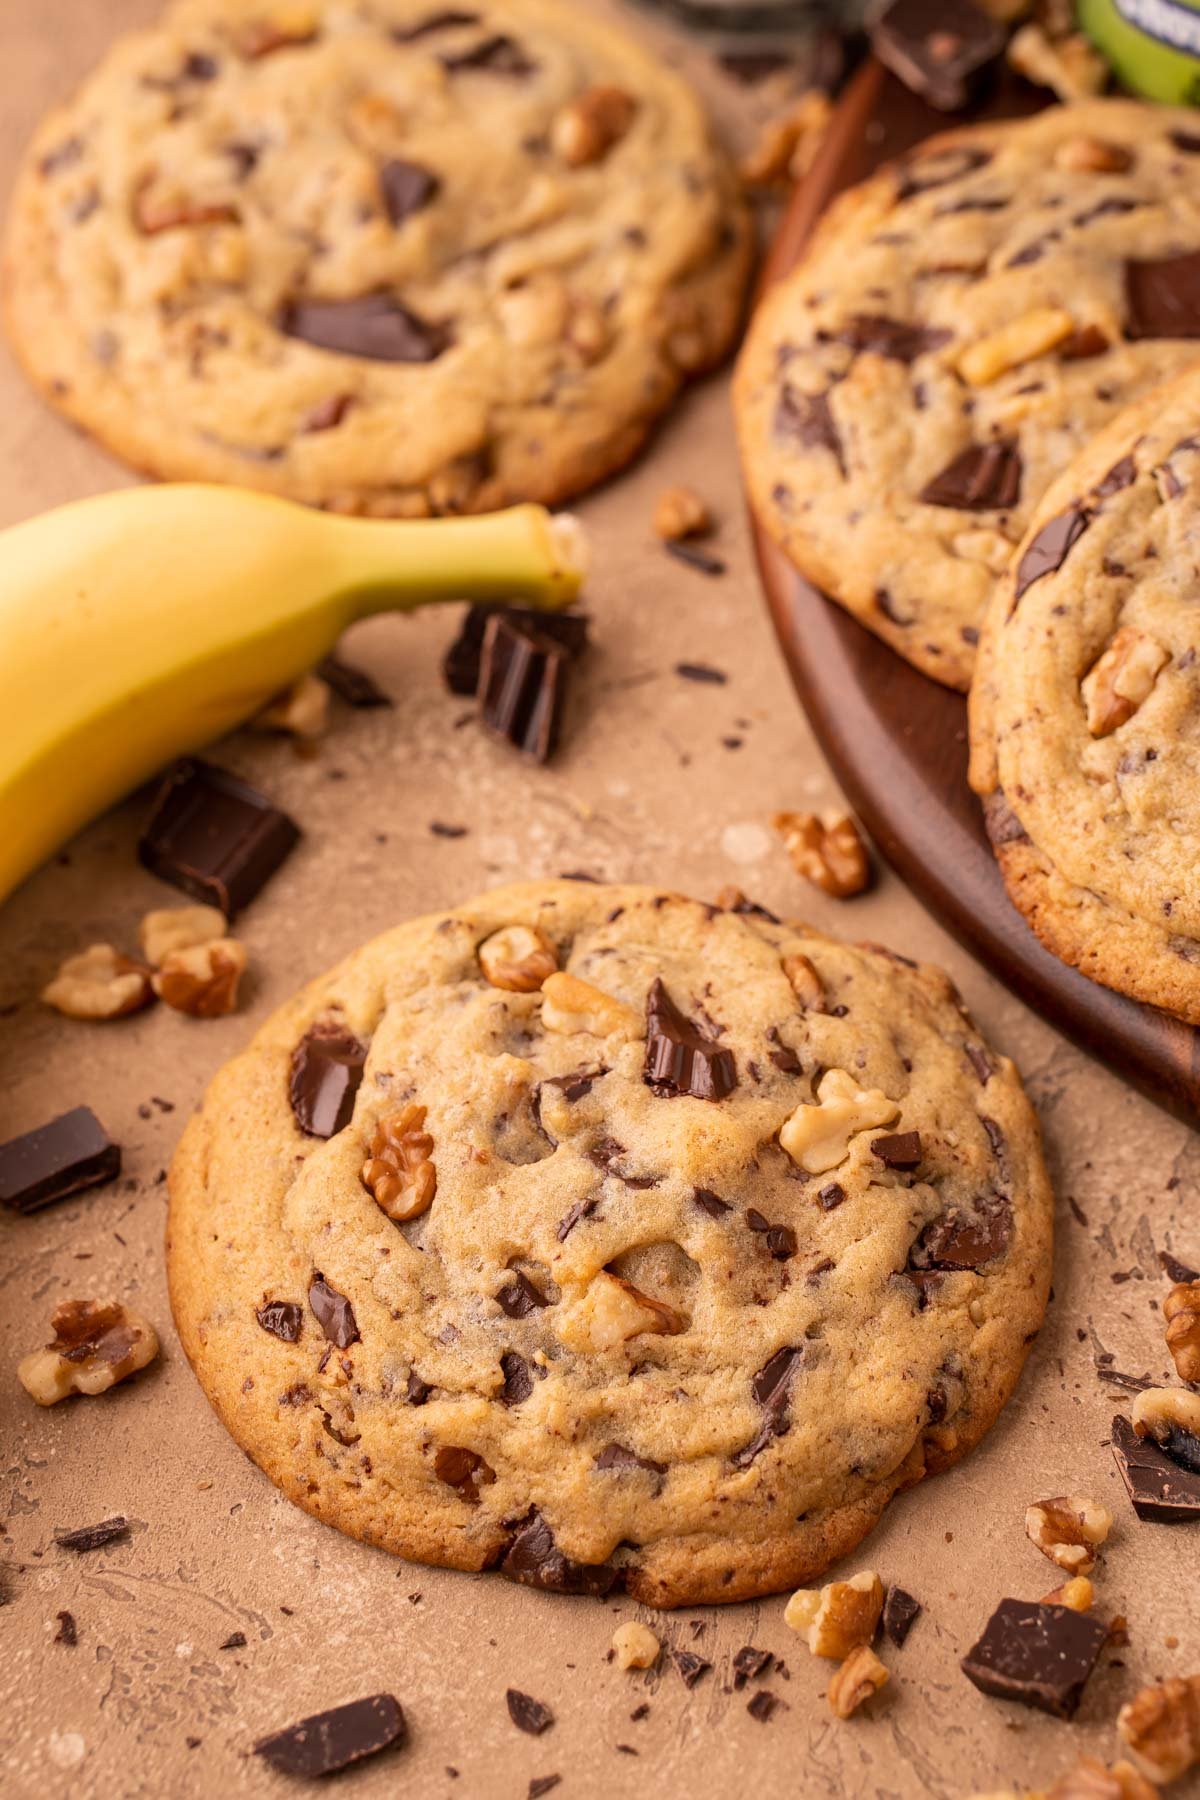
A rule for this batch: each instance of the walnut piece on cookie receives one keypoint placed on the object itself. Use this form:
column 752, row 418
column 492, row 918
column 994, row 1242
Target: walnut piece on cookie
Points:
column 95, row 1345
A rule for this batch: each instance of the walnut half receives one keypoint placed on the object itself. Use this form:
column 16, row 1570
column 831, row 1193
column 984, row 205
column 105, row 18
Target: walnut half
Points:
column 828, row 852
column 99, row 983
column 1121, row 679
column 96, row 1343
column 399, row 1173
column 1068, row 1530
column 517, row 958
column 1160, row 1728
column 1181, row 1310
column 861, row 1675
column 839, row 1617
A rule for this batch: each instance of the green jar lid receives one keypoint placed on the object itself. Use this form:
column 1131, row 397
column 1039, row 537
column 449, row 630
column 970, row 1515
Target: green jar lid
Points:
column 1152, row 45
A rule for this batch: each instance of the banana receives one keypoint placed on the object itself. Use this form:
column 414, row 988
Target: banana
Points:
column 142, row 624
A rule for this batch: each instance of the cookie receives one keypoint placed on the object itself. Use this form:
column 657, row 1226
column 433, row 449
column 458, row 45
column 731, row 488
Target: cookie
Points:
column 1085, row 711
column 391, row 258
column 606, row 1238
column 962, row 325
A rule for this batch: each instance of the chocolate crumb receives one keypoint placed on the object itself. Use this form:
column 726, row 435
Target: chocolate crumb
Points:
column 749, row 1664
column 691, row 671
column 694, row 556
column 67, row 1632
column 528, row 1714
column 900, row 1612
column 763, row 1705
column 691, row 1667
column 235, row 1641
column 93, row 1537
column 542, row 1784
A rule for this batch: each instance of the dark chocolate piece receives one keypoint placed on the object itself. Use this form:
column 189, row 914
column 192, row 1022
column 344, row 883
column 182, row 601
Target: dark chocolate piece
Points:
column 214, row 837
column 965, row 1240
column 327, row 1067
column 1162, row 297
column 616, row 1456
column 831, row 1195
column 521, row 1296
column 334, row 1313
column 406, row 188
column 981, row 478
column 1160, row 1489
column 695, row 556
column 460, row 665
column 235, row 1641
column 581, row 1210
column 1177, row 1442
column 710, row 1203
column 528, row 1714
column 896, row 339
column 542, row 1784
column 749, row 1664
column 702, row 672
column 935, row 168
column 417, row 1391
column 534, row 1559
column 69, row 1154
column 282, row 1318
column 1050, row 547
column 808, row 419
column 352, row 685
column 772, row 1389
column 93, row 1537
column 518, row 1379
column 1123, row 474
column 463, row 1469
column 328, row 1741
column 497, row 55
column 67, row 1632
column 438, row 21
column 679, row 1058
column 898, row 1150
column 1040, row 1655
column 938, row 51
column 521, row 686
column 374, row 326
column 1172, row 1268
column 691, row 1667
column 900, row 1613
column 762, row 1705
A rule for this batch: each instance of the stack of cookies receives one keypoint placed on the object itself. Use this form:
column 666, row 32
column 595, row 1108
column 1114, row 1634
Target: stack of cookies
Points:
column 955, row 422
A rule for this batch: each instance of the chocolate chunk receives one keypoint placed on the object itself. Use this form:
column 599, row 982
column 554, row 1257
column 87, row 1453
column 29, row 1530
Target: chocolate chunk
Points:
column 518, row 1379
column 235, row 1641
column 1187, row 141
column 807, row 419
column 528, row 1714
column 1162, row 297
column 542, row 1784
column 749, row 1664
column 691, row 1667
column 67, row 1632
column 282, row 1318
column 831, row 1195
column 460, row 665
column 1050, row 547
column 939, row 52
column 980, row 1061
column 936, row 168
column 580, row 1210
column 898, row 1150
column 1037, row 1654
column 616, row 1456
column 328, row 1741
column 1123, row 474
column 352, row 685
column 1160, row 1489
column 406, row 188
column 1172, row 1268
column 327, row 1067
column 893, row 338
column 69, row 1154
column 710, row 1203
column 982, row 478
column 521, row 686
column 463, row 1469
column 607, row 1153
column 499, row 55
column 374, row 326
column 679, row 1058
column 702, row 672
column 963, row 1239
column 762, row 1705
column 1177, row 1442
column 417, row 1391
column 695, row 556
column 1103, row 209
column 438, row 21
column 93, row 1537
column 534, row 1559
column 214, row 837
column 772, row 1389
column 900, row 1612
column 1003, row 825
column 521, row 1297
column 781, row 1239
column 334, row 1313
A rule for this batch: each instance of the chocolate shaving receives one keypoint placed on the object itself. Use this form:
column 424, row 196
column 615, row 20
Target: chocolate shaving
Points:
column 71, row 1153
column 1172, row 1268
column 534, row 1559
column 679, row 1058
column 235, row 1641
column 282, row 1318
column 616, row 1456
column 582, row 1209
column 328, row 1741
column 694, row 556
column 749, row 1664
column 334, row 1313
column 528, row 1714
column 710, row 1203
column 67, row 1632
column 542, row 1784
column 772, row 1389
column 327, row 1067
column 1123, row 474
column 93, row 1537
column 375, row 327
column 214, row 837
column 703, row 672
column 981, row 478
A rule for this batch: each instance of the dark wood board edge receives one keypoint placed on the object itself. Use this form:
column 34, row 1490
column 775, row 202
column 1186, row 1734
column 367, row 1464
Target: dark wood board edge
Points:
column 896, row 740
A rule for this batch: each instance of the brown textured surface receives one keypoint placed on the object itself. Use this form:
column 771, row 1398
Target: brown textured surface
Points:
column 645, row 789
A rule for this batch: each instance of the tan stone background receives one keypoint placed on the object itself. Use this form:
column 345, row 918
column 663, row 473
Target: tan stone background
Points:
column 660, row 780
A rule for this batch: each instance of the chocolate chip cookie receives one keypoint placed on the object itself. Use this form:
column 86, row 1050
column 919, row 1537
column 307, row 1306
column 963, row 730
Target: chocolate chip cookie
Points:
column 1085, row 711
column 393, row 258
column 962, row 325
column 606, row 1238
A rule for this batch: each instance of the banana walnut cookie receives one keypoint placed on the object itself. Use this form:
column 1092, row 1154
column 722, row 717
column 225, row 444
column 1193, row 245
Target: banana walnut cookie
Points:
column 961, row 325
column 609, row 1239
column 1085, row 712
column 379, row 255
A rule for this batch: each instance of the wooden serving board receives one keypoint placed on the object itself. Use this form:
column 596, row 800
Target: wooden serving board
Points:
column 896, row 740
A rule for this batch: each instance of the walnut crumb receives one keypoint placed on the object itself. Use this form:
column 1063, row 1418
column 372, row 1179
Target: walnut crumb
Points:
column 861, row 1675
column 635, row 1646
column 681, row 513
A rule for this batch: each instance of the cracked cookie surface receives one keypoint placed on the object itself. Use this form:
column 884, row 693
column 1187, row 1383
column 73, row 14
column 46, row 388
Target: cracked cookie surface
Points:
column 388, row 258
column 1085, row 711
column 523, row 1275
column 961, row 326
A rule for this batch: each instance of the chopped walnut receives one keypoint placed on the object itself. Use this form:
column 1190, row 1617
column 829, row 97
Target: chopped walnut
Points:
column 1031, row 335
column 96, row 1343
column 818, row 1136
column 570, row 1005
column 154, row 212
column 613, row 1311
column 99, row 983
column 588, row 330
column 1160, row 1728
column 1181, row 1310
column 517, row 958
column 861, row 1675
column 1093, row 155
column 1078, row 1594
column 839, row 1617
column 828, row 852
column 787, row 146
column 178, row 928
column 1068, row 1530
column 635, row 1646
column 203, row 981
column 1157, row 1412
column 1121, row 679
column 1090, row 1780
column 585, row 130
column 806, row 983
column 300, row 711
column 681, row 513
column 399, row 1172
column 280, row 29
column 1069, row 66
